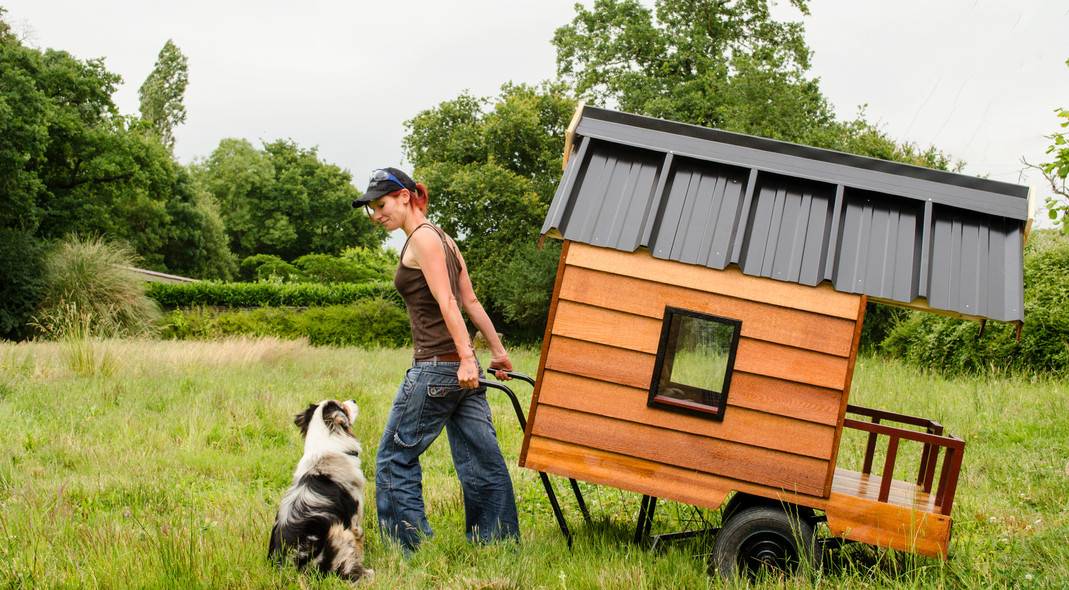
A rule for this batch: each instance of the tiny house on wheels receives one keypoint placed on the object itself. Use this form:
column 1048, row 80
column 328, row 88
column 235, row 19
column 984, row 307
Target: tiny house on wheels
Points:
column 705, row 323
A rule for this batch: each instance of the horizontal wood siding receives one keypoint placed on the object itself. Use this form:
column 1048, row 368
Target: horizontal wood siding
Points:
column 757, row 392
column 762, row 321
column 759, row 429
column 822, row 299
column 712, row 455
column 791, row 367
column 642, row 334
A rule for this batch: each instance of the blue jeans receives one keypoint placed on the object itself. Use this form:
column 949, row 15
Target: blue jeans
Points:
column 429, row 398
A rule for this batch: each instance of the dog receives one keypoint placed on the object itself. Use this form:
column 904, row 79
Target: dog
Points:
column 320, row 519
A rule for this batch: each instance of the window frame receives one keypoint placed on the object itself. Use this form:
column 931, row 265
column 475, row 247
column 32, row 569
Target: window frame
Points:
column 682, row 406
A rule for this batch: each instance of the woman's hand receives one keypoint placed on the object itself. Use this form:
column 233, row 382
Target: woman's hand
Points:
column 468, row 373
column 499, row 364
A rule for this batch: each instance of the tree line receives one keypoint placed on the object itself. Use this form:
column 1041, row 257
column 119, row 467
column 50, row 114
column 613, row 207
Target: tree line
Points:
column 71, row 163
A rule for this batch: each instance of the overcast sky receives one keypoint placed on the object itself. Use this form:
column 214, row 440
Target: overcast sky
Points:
column 979, row 79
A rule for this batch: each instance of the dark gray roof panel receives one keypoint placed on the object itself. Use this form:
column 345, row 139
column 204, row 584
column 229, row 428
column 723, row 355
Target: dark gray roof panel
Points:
column 699, row 198
column 879, row 248
column 609, row 205
column 788, row 230
column 887, row 178
column 794, row 213
column 976, row 265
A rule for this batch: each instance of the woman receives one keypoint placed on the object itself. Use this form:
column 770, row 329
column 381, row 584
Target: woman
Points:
column 441, row 388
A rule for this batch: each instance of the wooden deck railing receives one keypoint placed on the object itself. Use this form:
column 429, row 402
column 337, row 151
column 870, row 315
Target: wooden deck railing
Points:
column 933, row 441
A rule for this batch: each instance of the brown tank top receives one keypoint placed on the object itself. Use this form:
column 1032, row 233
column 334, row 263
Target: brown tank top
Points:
column 430, row 336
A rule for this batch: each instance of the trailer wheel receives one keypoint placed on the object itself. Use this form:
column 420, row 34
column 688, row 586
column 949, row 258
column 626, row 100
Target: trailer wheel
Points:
column 762, row 538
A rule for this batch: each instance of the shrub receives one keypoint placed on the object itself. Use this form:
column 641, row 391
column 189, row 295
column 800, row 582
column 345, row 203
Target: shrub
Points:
column 268, row 294
column 954, row 346
column 354, row 265
column 880, row 319
column 323, row 268
column 268, row 267
column 22, row 284
column 369, row 323
column 380, row 261
column 90, row 292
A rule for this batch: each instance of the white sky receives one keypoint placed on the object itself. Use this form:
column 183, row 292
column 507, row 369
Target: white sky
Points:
column 979, row 79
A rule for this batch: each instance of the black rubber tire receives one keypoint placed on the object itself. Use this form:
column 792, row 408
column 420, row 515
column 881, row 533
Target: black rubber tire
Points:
column 759, row 537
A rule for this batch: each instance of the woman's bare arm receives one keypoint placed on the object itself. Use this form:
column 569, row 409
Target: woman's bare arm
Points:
column 499, row 358
column 429, row 252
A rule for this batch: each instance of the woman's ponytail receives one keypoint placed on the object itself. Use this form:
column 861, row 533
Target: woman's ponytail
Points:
column 420, row 197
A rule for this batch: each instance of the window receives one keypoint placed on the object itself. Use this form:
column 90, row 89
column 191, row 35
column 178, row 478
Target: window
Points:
column 694, row 363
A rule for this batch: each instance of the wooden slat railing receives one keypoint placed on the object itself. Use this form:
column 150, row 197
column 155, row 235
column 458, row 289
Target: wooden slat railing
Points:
column 932, row 439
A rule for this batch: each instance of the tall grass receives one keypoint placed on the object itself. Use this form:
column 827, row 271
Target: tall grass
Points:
column 90, row 293
column 165, row 471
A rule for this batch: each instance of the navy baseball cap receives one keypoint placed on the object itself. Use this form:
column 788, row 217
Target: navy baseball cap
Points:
column 384, row 181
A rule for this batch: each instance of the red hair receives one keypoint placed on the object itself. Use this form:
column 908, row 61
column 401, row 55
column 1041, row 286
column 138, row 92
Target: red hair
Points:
column 420, row 197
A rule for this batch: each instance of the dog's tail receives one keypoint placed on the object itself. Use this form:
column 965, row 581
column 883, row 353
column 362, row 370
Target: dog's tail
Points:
column 275, row 552
column 296, row 543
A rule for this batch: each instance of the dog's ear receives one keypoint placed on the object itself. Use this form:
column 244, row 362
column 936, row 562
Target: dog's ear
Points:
column 303, row 419
column 335, row 416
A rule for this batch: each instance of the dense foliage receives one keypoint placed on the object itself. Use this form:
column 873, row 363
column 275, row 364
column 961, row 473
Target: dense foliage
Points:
column 718, row 64
column 22, row 264
column 71, row 164
column 956, row 346
column 283, row 200
column 370, row 323
column 267, row 294
column 354, row 265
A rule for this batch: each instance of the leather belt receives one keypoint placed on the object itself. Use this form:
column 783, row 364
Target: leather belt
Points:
column 449, row 357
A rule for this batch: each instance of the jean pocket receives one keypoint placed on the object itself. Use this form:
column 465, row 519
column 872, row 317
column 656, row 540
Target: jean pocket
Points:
column 440, row 391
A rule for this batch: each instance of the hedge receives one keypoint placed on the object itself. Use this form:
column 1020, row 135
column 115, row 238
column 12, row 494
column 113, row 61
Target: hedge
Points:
column 367, row 324
column 244, row 295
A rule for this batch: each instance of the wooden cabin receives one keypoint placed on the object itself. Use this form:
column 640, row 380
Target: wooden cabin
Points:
column 708, row 307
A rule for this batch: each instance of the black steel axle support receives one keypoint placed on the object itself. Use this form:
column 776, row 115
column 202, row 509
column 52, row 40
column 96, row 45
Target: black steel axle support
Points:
column 541, row 474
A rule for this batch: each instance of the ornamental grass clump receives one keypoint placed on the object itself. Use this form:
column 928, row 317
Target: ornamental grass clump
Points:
column 90, row 292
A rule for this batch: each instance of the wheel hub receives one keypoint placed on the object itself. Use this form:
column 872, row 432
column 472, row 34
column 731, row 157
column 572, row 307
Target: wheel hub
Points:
column 766, row 551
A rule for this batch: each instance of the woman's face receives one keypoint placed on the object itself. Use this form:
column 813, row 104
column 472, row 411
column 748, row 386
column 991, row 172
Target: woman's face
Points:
column 389, row 211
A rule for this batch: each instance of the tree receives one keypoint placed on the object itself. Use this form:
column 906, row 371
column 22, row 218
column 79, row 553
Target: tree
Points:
column 725, row 64
column 283, row 200
column 162, row 92
column 71, row 164
column 492, row 165
column 716, row 63
column 195, row 244
column 24, row 110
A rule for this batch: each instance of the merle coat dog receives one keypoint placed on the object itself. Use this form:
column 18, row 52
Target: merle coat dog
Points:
column 320, row 518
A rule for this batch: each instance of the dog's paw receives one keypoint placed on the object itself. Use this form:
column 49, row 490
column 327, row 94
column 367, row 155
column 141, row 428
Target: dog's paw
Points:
column 366, row 577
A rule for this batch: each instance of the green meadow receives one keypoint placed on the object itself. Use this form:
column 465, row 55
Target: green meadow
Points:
column 155, row 464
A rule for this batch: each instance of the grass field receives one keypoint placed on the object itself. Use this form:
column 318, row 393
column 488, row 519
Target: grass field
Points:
column 160, row 464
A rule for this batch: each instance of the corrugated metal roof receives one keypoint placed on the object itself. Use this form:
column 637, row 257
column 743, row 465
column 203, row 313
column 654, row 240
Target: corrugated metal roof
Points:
column 894, row 232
